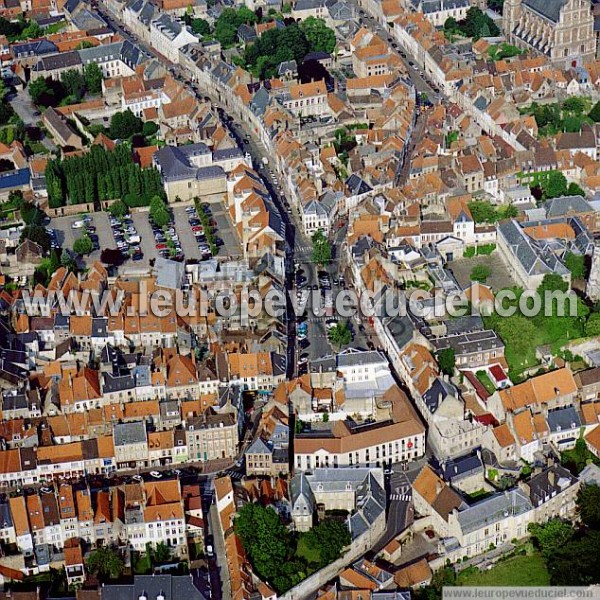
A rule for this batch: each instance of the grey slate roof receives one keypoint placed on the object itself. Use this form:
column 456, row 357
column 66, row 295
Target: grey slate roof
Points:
column 550, row 9
column 64, row 60
column 129, row 433
column 563, row 419
column 258, row 446
column 170, row 587
column 530, row 253
column 438, row 392
column 494, row 509
column 125, row 51
column 462, row 466
column 558, row 207
column 169, row 273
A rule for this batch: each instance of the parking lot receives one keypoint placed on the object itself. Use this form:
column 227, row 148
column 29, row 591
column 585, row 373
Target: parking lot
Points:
column 232, row 246
column 66, row 235
column 140, row 221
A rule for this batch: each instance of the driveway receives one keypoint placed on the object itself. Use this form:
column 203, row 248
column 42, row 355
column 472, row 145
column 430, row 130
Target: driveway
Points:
column 29, row 114
column 185, row 233
column 232, row 247
column 142, row 226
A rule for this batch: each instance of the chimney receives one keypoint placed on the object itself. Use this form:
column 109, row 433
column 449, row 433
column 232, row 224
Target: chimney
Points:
column 552, row 477
column 439, row 486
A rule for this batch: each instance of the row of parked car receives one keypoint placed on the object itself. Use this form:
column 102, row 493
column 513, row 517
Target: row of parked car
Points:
column 202, row 236
column 126, row 237
column 167, row 240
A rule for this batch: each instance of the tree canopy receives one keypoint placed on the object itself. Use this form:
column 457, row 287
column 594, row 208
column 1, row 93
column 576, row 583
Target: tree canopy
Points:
column 292, row 42
column 588, row 502
column 101, row 175
column 280, row 557
column 447, row 360
column 83, row 245
column 340, row 334
column 320, row 37
column 105, row 563
column 576, row 264
column 476, row 25
column 37, row 234
column 480, row 273
column 229, row 20
column 125, row 124
column 159, row 213
column 321, row 252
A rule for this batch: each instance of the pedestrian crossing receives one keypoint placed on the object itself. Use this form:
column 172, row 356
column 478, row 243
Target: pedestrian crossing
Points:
column 401, row 497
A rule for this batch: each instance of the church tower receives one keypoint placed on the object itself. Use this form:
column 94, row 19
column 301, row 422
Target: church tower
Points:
column 510, row 17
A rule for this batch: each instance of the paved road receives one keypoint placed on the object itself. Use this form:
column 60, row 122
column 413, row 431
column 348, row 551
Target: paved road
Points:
column 418, row 80
column 185, row 233
column 29, row 114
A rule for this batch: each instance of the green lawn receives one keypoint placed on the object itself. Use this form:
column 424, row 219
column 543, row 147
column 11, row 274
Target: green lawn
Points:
column 518, row 571
column 485, row 380
column 307, row 553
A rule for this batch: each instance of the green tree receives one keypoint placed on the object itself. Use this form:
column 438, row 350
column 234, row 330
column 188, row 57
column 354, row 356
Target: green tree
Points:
column 31, row 214
column 447, row 361
column 321, row 248
column 105, row 563
column 555, row 185
column 227, row 24
column 92, row 74
column 327, row 540
column 124, row 124
column 588, row 504
column 118, row 209
column 340, row 334
column 40, row 92
column 575, row 104
column 37, row 234
column 592, row 325
column 483, row 211
column 552, row 283
column 510, row 212
column 84, row 45
column 74, row 83
column 83, row 245
column 594, row 114
column 159, row 212
column 575, row 190
column 264, row 538
column 161, row 553
column 577, row 562
column 480, row 273
column 320, row 37
column 149, row 129
column 33, row 30
column 68, row 261
column 200, row 27
column 551, row 535
column 576, row 264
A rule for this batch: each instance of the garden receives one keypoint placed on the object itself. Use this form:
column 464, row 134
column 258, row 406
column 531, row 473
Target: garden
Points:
column 283, row 558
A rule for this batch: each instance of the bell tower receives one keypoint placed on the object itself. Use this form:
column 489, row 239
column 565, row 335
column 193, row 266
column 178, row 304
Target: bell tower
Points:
column 510, row 17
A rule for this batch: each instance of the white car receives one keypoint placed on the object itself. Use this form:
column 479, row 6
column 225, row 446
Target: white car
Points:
column 77, row 224
column 134, row 239
column 155, row 474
